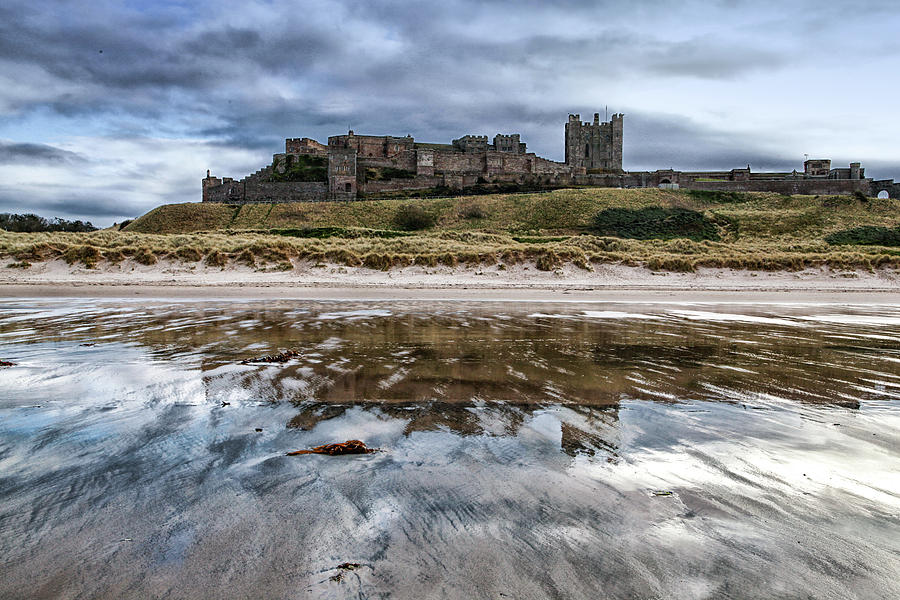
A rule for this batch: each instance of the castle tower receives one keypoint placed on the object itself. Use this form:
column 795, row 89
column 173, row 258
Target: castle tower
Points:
column 208, row 183
column 594, row 145
column 341, row 173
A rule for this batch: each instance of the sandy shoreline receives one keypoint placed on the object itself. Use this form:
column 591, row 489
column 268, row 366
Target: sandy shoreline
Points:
column 605, row 283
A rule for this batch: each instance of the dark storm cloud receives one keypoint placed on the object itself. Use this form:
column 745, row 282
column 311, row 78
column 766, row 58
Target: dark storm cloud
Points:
column 139, row 63
column 12, row 153
column 66, row 207
column 134, row 62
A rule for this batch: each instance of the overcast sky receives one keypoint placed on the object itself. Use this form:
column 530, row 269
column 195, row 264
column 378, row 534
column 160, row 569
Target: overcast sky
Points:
column 108, row 109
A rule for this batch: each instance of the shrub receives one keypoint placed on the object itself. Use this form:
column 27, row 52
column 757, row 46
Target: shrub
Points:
column 189, row 254
column 216, row 259
column 31, row 223
column 88, row 255
column 866, row 235
column 426, row 260
column 412, row 217
column 547, row 261
column 113, row 256
column 683, row 246
column 682, row 265
column 266, row 253
column 302, row 167
column 718, row 197
column 595, row 244
column 246, row 257
column 539, row 239
column 343, row 232
column 344, row 257
column 384, row 260
column 145, row 256
column 655, row 223
column 472, row 211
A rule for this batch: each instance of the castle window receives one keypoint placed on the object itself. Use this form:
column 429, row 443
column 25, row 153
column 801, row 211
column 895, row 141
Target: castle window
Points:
column 348, row 187
column 587, row 150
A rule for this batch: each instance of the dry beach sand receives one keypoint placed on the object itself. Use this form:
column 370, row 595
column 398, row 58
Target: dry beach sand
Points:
column 517, row 282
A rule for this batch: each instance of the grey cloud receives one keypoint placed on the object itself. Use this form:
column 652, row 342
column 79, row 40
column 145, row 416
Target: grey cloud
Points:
column 95, row 209
column 139, row 62
column 145, row 58
column 707, row 58
column 660, row 141
column 12, row 153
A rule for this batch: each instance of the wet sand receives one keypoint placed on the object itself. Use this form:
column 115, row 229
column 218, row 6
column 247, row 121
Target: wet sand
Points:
column 615, row 450
column 611, row 294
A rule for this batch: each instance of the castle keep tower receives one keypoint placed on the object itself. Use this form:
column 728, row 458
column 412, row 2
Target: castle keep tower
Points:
column 594, row 145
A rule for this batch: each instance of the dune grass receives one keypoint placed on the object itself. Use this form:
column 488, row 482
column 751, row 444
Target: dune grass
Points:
column 751, row 231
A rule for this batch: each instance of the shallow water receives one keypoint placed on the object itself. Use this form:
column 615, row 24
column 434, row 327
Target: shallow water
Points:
column 527, row 451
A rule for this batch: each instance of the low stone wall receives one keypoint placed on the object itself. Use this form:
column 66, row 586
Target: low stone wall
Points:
column 545, row 166
column 246, row 192
column 809, row 187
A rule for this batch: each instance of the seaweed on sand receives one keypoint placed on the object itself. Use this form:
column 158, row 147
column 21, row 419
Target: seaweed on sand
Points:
column 348, row 447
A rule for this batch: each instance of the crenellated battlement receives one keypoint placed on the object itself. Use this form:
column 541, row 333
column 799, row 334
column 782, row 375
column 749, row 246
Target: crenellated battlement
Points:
column 304, row 146
column 594, row 145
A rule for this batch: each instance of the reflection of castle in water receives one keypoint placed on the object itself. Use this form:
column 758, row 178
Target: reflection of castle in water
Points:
column 480, row 372
column 592, row 430
column 491, row 376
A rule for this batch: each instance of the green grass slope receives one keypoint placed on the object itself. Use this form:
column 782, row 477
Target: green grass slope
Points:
column 662, row 229
column 752, row 215
column 559, row 210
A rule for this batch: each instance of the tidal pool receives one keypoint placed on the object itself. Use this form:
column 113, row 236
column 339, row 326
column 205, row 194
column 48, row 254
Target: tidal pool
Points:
column 527, row 450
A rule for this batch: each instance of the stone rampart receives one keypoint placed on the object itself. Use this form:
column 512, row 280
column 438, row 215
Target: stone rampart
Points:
column 809, row 187
column 247, row 192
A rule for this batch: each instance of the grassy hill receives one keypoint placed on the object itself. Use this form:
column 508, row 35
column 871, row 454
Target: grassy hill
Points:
column 560, row 210
column 758, row 215
column 663, row 229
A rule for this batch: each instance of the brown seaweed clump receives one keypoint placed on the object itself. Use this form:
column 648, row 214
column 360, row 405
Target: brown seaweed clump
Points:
column 273, row 358
column 342, row 568
column 348, row 447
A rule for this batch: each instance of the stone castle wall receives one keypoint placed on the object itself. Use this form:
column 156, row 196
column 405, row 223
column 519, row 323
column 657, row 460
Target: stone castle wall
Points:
column 247, row 192
column 593, row 158
column 809, row 187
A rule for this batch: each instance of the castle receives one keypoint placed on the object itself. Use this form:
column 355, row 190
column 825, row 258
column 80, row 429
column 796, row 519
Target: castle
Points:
column 355, row 166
